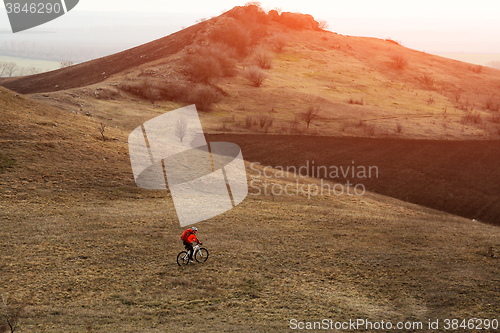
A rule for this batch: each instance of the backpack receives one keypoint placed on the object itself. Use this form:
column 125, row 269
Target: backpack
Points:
column 186, row 234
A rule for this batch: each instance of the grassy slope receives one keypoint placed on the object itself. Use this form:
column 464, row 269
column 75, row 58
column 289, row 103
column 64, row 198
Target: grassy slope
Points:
column 329, row 70
column 98, row 70
column 82, row 247
column 430, row 97
column 427, row 98
column 111, row 264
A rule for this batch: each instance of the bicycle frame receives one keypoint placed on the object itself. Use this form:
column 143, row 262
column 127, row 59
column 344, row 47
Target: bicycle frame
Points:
column 195, row 248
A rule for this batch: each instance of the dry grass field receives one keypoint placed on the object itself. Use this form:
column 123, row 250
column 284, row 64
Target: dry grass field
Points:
column 84, row 264
column 83, row 249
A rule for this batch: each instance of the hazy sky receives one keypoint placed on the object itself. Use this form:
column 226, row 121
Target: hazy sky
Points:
column 434, row 26
column 482, row 9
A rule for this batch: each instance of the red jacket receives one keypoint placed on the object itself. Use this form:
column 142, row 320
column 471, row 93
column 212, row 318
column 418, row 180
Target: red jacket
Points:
column 189, row 236
column 192, row 238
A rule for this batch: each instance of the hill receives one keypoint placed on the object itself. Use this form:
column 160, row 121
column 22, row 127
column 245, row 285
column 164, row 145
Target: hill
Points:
column 84, row 249
column 361, row 86
column 100, row 69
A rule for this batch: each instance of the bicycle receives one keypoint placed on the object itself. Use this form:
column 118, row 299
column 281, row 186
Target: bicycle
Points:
column 200, row 255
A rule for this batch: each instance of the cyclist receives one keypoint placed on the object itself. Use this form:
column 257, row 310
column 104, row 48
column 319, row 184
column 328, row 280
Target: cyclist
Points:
column 187, row 237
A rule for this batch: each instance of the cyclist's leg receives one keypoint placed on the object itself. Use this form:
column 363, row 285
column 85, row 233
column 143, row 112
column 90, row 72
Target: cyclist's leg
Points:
column 190, row 249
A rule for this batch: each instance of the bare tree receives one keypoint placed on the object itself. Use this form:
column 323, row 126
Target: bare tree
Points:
column 263, row 120
column 101, row 129
column 494, row 64
column 263, row 59
column 8, row 69
column 311, row 113
column 255, row 75
column 323, row 25
column 3, row 66
column 181, row 128
column 279, row 42
column 33, row 70
column 399, row 61
column 11, row 316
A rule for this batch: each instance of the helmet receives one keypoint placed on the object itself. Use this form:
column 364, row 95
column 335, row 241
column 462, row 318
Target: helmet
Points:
column 194, row 229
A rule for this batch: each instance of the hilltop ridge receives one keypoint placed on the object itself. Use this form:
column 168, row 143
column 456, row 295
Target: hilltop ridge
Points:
column 360, row 86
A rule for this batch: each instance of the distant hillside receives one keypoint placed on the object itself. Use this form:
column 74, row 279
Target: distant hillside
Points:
column 98, row 70
column 247, row 64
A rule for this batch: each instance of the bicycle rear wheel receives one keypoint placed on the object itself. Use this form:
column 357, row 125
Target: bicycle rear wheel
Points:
column 201, row 255
column 183, row 258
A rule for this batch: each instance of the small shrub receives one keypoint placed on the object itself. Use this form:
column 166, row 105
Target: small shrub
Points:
column 255, row 75
column 262, row 121
column 236, row 34
column 203, row 96
column 492, row 104
column 311, row 113
column 248, row 121
column 224, row 55
column 399, row 128
column 430, row 100
column 323, row 25
column 203, row 69
column 393, row 41
column 355, row 101
column 495, row 119
column 263, row 59
column 102, row 128
column 476, row 68
column 428, row 81
column 471, row 118
column 399, row 61
column 270, row 121
column 279, row 43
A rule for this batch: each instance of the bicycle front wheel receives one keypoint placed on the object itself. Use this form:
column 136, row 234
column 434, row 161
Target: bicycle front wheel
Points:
column 182, row 258
column 201, row 255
